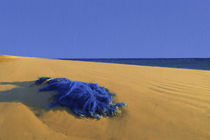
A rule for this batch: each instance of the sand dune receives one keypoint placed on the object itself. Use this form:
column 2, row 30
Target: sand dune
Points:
column 163, row 103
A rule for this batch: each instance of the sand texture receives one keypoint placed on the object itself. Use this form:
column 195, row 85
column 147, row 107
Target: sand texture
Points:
column 163, row 103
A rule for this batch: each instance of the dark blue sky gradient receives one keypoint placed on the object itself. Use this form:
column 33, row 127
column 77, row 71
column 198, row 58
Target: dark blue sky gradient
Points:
column 105, row 28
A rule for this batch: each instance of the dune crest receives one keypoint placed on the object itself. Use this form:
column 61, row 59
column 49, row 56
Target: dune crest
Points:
column 163, row 103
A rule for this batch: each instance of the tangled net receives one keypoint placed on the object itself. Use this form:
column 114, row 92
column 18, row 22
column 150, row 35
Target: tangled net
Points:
column 84, row 99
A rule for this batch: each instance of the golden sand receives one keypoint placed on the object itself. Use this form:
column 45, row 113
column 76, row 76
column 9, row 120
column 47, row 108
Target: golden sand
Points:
column 163, row 103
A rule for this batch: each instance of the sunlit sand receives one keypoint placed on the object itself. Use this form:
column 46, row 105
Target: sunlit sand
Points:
column 163, row 103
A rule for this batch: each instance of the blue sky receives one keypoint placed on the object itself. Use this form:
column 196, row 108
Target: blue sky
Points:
column 105, row 28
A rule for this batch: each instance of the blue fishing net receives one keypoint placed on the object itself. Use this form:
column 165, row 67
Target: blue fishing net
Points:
column 84, row 99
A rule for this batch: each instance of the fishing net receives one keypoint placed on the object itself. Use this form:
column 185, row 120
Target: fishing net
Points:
column 83, row 99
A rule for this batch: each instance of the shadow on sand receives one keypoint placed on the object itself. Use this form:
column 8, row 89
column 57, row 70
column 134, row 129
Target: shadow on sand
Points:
column 28, row 94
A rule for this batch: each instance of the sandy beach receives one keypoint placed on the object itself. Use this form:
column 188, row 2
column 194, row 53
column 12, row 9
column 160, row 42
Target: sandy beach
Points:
column 163, row 103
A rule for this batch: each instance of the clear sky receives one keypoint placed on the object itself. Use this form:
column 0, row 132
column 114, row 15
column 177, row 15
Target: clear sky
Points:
column 105, row 28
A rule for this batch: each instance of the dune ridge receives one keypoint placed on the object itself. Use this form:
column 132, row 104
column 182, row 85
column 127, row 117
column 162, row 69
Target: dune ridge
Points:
column 163, row 103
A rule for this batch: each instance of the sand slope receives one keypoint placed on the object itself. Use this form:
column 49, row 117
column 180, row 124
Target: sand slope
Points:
column 163, row 103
